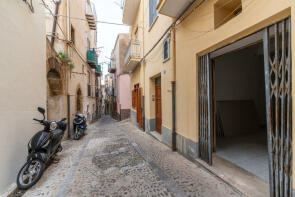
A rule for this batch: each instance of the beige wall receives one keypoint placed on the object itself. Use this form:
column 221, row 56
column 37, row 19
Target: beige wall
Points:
column 22, row 83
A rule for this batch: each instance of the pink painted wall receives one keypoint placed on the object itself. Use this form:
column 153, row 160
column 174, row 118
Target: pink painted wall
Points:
column 124, row 97
column 121, row 81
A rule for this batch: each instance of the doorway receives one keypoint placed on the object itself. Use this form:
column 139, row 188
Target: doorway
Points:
column 241, row 117
column 79, row 101
column 239, row 109
column 158, row 105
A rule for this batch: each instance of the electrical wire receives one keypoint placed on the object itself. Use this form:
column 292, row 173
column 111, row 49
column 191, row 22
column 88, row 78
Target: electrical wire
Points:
column 67, row 42
column 53, row 15
column 97, row 21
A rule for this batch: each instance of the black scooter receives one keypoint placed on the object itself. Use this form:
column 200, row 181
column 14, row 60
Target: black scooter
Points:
column 42, row 148
column 80, row 126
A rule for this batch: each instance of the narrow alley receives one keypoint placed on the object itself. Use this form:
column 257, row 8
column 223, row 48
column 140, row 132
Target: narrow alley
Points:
column 117, row 159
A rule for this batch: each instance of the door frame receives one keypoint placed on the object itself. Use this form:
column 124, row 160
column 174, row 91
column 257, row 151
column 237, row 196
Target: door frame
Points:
column 277, row 157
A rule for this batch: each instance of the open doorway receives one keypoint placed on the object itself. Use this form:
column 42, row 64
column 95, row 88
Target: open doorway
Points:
column 231, row 110
column 240, row 110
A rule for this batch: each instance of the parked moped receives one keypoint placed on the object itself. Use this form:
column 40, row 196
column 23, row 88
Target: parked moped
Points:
column 80, row 126
column 42, row 148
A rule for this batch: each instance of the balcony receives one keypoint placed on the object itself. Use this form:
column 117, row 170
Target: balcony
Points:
column 112, row 67
column 92, row 58
column 173, row 8
column 98, row 71
column 91, row 15
column 132, row 56
column 130, row 11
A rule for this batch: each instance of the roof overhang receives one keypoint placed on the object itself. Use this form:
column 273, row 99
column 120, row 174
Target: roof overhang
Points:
column 130, row 11
column 173, row 8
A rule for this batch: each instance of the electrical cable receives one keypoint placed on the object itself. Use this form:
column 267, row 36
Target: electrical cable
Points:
column 97, row 21
column 53, row 15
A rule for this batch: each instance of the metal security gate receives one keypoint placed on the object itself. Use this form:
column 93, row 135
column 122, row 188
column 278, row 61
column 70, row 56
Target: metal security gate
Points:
column 277, row 60
column 205, row 107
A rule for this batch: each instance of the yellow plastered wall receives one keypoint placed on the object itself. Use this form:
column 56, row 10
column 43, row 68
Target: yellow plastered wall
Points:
column 196, row 36
column 155, row 67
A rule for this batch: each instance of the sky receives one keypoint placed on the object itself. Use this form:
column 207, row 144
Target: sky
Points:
column 108, row 10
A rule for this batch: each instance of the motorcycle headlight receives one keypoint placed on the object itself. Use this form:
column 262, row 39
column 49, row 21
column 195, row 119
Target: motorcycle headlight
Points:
column 53, row 126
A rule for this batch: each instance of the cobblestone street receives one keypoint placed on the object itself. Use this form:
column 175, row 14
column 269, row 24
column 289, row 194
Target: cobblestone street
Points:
column 117, row 159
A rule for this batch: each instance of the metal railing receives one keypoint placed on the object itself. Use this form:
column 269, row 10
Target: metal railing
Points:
column 133, row 51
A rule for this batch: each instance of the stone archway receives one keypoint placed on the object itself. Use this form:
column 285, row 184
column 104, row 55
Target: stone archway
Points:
column 54, row 82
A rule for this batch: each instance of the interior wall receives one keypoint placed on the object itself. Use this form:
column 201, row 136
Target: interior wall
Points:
column 239, row 76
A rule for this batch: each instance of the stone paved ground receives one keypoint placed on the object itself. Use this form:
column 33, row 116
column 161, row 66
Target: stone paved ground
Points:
column 117, row 159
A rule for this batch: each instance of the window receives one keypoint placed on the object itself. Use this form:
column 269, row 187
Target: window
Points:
column 72, row 34
column 153, row 11
column 166, row 49
column 225, row 11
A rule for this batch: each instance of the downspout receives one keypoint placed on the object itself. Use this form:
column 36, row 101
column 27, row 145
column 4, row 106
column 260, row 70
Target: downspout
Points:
column 68, row 52
column 173, row 83
column 54, row 22
column 143, row 64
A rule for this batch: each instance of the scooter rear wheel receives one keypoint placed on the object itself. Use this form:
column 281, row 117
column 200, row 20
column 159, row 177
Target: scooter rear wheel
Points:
column 30, row 174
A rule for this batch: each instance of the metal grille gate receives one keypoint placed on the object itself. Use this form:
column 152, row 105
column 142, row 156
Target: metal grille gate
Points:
column 205, row 107
column 277, row 60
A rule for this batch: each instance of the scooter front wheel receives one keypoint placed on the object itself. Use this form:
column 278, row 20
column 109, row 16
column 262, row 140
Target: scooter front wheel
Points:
column 76, row 135
column 30, row 174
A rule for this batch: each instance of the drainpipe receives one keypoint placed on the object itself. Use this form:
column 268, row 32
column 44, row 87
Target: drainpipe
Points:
column 143, row 64
column 173, row 83
column 54, row 22
column 67, row 73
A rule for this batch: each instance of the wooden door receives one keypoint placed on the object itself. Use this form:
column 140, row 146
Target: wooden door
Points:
column 205, row 109
column 158, row 103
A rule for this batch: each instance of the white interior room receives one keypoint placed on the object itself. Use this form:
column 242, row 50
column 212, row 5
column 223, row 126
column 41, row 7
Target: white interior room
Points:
column 239, row 92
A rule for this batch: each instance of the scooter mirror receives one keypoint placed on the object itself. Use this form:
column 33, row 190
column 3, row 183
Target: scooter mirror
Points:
column 41, row 110
column 64, row 119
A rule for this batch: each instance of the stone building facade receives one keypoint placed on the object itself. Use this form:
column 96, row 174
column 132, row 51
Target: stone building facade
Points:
column 74, row 43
